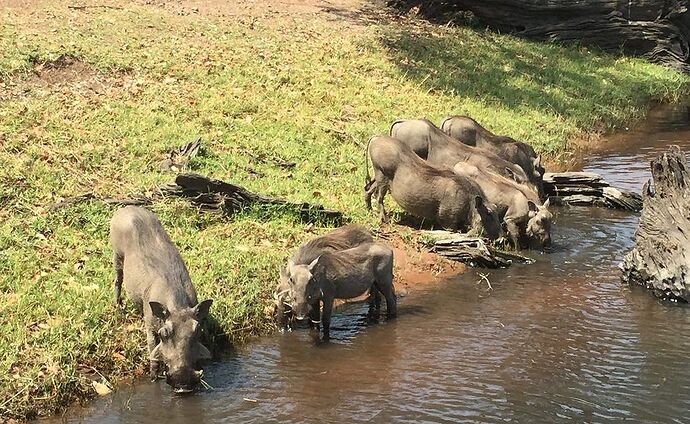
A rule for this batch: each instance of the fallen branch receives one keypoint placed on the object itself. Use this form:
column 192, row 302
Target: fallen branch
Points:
column 588, row 189
column 135, row 201
column 210, row 194
column 92, row 6
column 178, row 159
column 486, row 278
column 471, row 250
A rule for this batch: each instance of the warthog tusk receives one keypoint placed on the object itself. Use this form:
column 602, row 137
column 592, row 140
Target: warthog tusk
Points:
column 199, row 373
column 279, row 294
column 315, row 322
column 206, row 385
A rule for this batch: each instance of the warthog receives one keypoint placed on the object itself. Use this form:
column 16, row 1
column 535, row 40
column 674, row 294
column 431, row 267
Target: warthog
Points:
column 450, row 200
column 157, row 281
column 342, row 238
column 518, row 206
column 470, row 132
column 344, row 274
column 438, row 148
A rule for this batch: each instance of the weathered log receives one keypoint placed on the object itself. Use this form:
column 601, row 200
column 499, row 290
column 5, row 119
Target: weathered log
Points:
column 660, row 259
column 588, row 189
column 658, row 30
column 177, row 160
column 135, row 201
column 209, row 195
column 217, row 195
column 470, row 250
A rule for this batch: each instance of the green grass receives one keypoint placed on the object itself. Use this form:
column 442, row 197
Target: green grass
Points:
column 307, row 90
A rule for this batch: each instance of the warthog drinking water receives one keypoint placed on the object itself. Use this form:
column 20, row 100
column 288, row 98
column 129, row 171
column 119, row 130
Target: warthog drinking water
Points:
column 518, row 206
column 470, row 132
column 156, row 280
column 450, row 200
column 342, row 238
column 438, row 148
column 344, row 274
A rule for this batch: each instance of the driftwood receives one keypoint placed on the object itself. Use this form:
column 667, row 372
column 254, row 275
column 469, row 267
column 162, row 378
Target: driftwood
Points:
column 217, row 195
column 658, row 30
column 209, row 195
column 134, row 201
column 178, row 160
column 660, row 259
column 587, row 188
column 471, row 250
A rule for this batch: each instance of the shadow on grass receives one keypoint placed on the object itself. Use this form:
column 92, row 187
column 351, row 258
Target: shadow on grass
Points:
column 298, row 213
column 521, row 76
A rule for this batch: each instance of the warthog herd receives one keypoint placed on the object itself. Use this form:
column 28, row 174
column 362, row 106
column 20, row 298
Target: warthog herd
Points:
column 459, row 177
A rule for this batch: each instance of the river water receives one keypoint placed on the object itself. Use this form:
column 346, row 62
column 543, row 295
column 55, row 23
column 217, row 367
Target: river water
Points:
column 556, row 341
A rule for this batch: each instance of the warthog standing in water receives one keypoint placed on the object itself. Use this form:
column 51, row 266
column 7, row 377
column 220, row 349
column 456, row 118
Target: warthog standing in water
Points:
column 438, row 148
column 518, row 206
column 344, row 274
column 342, row 238
column 157, row 281
column 438, row 194
column 470, row 132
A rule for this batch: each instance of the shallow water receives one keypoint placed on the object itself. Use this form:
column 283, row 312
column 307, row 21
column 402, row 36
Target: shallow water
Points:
column 560, row 340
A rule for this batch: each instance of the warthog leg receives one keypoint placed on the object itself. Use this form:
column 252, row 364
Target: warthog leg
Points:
column 513, row 232
column 374, row 297
column 315, row 315
column 369, row 189
column 382, row 190
column 326, row 318
column 154, row 365
column 384, row 284
column 117, row 264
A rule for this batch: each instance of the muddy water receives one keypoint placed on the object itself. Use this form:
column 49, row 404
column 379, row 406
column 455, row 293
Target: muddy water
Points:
column 561, row 340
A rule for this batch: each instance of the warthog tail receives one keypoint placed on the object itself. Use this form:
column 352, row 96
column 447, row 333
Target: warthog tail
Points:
column 443, row 123
column 390, row 130
column 368, row 180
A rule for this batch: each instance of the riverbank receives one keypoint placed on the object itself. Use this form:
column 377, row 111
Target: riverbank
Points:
column 283, row 96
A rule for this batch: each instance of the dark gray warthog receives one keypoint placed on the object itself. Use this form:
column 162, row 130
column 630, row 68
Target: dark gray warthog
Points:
column 426, row 191
column 470, row 132
column 438, row 148
column 342, row 238
column 157, row 282
column 344, row 274
column 525, row 217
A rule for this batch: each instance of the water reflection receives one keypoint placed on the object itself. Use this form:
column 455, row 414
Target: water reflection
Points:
column 560, row 340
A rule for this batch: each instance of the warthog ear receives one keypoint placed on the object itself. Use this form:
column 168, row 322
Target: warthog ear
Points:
column 478, row 202
column 547, row 203
column 202, row 351
column 533, row 208
column 201, row 310
column 290, row 265
column 284, row 274
column 537, row 161
column 313, row 263
column 159, row 311
column 155, row 354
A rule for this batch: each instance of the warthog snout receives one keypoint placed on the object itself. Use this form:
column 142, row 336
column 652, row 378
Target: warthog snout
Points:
column 184, row 380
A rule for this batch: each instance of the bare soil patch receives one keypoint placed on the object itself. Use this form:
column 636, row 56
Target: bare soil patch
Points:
column 254, row 7
column 67, row 75
column 354, row 12
column 414, row 266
